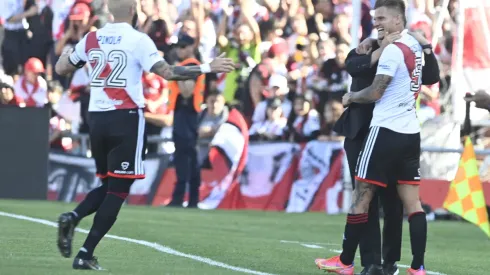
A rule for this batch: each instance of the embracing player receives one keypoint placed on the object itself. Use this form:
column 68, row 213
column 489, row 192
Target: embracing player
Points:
column 117, row 55
column 392, row 147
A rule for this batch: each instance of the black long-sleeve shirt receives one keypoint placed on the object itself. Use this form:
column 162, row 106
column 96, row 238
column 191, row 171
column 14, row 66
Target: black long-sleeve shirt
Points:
column 354, row 122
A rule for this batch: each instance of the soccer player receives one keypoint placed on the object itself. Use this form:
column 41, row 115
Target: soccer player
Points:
column 361, row 64
column 117, row 55
column 392, row 146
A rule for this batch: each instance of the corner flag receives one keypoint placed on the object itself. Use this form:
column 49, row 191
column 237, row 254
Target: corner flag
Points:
column 465, row 196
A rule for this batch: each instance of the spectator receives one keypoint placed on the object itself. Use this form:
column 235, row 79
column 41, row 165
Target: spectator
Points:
column 242, row 46
column 78, row 26
column 60, row 10
column 321, row 21
column 158, row 26
column 39, row 32
column 304, row 122
column 299, row 33
column 186, row 99
column 429, row 103
column 215, row 114
column 156, row 97
column 278, row 89
column 341, row 29
column 7, row 95
column 206, row 31
column 31, row 88
column 259, row 77
column 14, row 47
column 302, row 68
column 57, row 123
column 333, row 70
column 273, row 127
column 332, row 111
column 79, row 91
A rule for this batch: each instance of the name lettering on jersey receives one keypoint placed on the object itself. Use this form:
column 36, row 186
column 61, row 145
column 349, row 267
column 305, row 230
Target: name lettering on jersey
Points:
column 113, row 40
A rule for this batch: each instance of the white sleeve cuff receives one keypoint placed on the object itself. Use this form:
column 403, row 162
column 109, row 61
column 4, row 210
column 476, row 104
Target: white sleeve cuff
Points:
column 205, row 68
column 74, row 58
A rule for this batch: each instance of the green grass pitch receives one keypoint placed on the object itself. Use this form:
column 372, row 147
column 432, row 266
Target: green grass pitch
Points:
column 233, row 239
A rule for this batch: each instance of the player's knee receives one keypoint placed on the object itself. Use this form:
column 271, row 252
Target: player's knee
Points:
column 413, row 207
column 362, row 197
column 409, row 194
column 119, row 187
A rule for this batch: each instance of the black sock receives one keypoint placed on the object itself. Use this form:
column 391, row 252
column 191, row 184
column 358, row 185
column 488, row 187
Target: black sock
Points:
column 104, row 219
column 418, row 238
column 92, row 201
column 354, row 228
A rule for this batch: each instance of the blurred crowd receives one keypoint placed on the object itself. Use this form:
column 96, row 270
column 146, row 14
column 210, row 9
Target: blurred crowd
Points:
column 291, row 54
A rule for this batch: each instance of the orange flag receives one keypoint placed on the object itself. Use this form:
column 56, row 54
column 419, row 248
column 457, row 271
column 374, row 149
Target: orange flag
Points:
column 465, row 197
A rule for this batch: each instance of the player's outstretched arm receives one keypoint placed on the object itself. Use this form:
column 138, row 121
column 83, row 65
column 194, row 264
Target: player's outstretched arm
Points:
column 171, row 72
column 371, row 93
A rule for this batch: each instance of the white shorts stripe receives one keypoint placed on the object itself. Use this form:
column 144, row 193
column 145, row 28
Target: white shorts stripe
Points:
column 368, row 149
column 362, row 156
column 138, row 160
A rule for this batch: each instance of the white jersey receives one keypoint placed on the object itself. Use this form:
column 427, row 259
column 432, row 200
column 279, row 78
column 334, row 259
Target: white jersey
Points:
column 118, row 55
column 395, row 110
column 32, row 95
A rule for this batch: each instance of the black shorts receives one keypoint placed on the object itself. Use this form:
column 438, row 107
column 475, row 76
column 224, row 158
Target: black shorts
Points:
column 118, row 143
column 389, row 155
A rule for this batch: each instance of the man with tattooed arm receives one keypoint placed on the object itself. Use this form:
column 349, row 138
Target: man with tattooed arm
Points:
column 118, row 55
column 391, row 149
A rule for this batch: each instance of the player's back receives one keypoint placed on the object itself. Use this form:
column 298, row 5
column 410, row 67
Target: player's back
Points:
column 396, row 110
column 114, row 53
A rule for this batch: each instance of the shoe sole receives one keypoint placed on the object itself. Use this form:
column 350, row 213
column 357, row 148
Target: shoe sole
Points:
column 64, row 241
column 331, row 269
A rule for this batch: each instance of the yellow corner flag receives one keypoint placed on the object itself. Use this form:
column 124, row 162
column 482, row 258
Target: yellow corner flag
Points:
column 465, row 196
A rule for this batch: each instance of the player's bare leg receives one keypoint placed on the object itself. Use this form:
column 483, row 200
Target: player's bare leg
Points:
column 68, row 221
column 409, row 194
column 355, row 226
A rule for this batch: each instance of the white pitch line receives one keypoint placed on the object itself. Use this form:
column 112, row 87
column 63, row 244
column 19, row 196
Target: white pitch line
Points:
column 400, row 265
column 156, row 246
column 298, row 242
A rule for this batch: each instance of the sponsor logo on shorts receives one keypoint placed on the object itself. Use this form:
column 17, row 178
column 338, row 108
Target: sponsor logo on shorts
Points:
column 125, row 165
column 123, row 172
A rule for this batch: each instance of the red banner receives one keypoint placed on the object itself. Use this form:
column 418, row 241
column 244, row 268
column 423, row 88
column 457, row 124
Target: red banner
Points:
column 269, row 180
column 277, row 177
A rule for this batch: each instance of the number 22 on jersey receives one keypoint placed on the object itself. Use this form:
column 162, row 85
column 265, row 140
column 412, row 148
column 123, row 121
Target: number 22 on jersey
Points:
column 107, row 71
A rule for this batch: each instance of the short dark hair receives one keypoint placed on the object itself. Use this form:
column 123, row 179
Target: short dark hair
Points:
column 398, row 5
